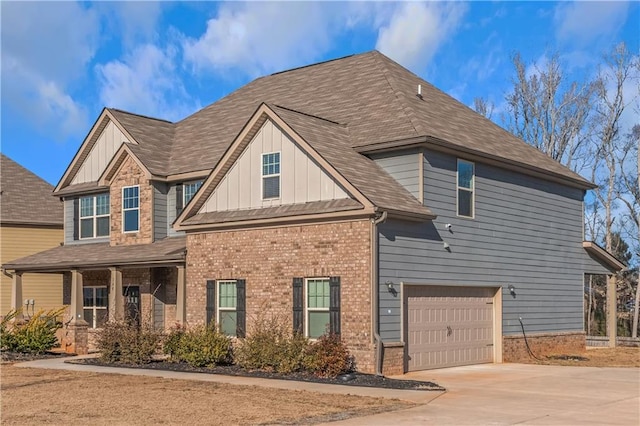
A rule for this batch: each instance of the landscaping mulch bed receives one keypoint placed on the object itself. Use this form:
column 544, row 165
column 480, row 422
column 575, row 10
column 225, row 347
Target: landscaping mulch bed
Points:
column 352, row 379
column 6, row 356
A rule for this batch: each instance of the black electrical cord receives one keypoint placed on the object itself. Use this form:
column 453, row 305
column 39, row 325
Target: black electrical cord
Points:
column 526, row 341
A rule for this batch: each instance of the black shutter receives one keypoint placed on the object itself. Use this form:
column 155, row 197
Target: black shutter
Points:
column 179, row 199
column 241, row 309
column 298, row 306
column 334, row 305
column 211, row 301
column 76, row 219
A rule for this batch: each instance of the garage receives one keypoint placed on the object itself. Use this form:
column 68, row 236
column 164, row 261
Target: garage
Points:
column 449, row 326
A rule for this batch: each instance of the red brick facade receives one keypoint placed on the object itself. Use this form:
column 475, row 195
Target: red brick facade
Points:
column 514, row 348
column 269, row 259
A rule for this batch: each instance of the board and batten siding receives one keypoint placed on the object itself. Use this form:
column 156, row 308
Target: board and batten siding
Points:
column 100, row 155
column 21, row 241
column 301, row 179
column 526, row 232
column 403, row 166
column 160, row 228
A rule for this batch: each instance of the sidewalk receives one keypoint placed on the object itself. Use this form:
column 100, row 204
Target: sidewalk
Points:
column 419, row 397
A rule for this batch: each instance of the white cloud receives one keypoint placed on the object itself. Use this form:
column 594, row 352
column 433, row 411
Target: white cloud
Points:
column 259, row 37
column 585, row 21
column 134, row 21
column 416, row 31
column 45, row 49
column 145, row 82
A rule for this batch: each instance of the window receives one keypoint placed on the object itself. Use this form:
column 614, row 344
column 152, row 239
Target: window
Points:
column 227, row 304
column 131, row 208
column 466, row 183
column 271, row 175
column 189, row 190
column 94, row 216
column 95, row 306
column 317, row 307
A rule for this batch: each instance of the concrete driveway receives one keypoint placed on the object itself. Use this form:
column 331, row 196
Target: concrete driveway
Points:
column 507, row 394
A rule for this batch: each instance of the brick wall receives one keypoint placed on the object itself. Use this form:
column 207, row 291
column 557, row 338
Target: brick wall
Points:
column 514, row 348
column 269, row 259
column 131, row 174
column 393, row 359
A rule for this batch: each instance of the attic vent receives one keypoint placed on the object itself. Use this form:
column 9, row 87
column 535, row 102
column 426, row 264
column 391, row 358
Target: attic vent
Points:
column 419, row 94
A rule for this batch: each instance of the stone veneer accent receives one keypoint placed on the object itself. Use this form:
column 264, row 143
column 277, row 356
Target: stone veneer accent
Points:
column 542, row 344
column 131, row 174
column 269, row 259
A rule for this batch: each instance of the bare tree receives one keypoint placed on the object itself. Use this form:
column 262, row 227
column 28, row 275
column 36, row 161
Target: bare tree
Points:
column 547, row 112
column 483, row 107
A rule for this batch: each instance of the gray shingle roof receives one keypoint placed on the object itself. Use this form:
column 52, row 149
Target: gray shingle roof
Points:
column 26, row 198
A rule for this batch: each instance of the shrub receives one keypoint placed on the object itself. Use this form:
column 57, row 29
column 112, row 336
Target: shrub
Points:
column 126, row 343
column 271, row 345
column 199, row 347
column 328, row 357
column 37, row 335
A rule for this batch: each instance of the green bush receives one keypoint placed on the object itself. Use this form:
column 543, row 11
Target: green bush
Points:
column 37, row 335
column 126, row 343
column 199, row 347
column 328, row 357
column 271, row 345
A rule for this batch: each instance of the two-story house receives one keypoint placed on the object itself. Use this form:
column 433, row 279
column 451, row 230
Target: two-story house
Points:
column 349, row 196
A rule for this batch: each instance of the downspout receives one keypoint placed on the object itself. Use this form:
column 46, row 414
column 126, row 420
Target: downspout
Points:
column 374, row 289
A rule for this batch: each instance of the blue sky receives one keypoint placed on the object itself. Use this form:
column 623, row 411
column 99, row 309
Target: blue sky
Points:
column 62, row 62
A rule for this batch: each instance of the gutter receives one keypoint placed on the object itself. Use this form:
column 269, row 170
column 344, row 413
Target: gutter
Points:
column 8, row 274
column 374, row 289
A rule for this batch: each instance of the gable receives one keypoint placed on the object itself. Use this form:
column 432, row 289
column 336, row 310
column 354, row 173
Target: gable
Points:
column 101, row 153
column 302, row 180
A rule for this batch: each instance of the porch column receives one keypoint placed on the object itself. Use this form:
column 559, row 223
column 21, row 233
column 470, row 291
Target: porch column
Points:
column 116, row 298
column 16, row 295
column 181, row 297
column 612, row 308
column 77, row 336
column 77, row 298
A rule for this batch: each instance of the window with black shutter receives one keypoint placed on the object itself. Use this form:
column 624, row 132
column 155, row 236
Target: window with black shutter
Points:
column 211, row 301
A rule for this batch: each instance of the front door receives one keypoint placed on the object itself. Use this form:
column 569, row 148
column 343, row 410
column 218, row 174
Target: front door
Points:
column 132, row 304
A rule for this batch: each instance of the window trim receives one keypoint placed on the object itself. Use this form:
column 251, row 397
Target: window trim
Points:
column 130, row 209
column 278, row 175
column 305, row 294
column 472, row 190
column 220, row 309
column 94, row 217
column 94, row 307
column 184, row 192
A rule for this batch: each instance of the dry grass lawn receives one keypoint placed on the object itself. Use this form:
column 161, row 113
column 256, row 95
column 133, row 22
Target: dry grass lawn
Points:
column 37, row 396
column 600, row 357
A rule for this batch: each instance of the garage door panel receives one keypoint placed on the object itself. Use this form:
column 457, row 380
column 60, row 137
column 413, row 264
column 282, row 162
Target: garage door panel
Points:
column 449, row 326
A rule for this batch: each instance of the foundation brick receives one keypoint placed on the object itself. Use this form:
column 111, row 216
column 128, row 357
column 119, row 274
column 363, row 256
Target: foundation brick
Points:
column 514, row 348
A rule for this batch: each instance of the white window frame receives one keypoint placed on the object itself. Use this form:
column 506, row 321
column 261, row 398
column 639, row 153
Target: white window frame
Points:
column 94, row 308
column 94, row 217
column 306, row 304
column 472, row 190
column 220, row 309
column 198, row 183
column 278, row 175
column 130, row 209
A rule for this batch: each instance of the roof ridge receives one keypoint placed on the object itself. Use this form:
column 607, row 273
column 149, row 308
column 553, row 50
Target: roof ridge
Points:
column 309, row 115
column 318, row 63
column 141, row 115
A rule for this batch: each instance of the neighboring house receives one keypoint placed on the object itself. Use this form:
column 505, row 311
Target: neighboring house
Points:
column 348, row 195
column 30, row 222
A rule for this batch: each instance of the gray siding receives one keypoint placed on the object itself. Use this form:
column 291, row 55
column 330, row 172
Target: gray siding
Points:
column 171, row 212
column 526, row 232
column 402, row 166
column 68, row 227
column 160, row 227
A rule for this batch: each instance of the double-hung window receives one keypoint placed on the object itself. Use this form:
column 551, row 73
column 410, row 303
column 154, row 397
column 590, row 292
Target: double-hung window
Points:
column 466, row 188
column 189, row 190
column 270, row 175
column 94, row 216
column 227, row 306
column 95, row 306
column 131, row 208
column 317, row 307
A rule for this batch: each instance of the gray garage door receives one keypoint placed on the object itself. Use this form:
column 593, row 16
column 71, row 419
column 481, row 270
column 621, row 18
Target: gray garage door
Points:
column 448, row 326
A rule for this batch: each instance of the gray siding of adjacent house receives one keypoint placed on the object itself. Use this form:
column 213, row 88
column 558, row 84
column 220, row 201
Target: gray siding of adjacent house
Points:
column 160, row 228
column 68, row 227
column 171, row 212
column 526, row 232
column 403, row 166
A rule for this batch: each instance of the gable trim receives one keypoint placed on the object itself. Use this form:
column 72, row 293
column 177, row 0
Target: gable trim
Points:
column 603, row 257
column 114, row 166
column 250, row 129
column 89, row 141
